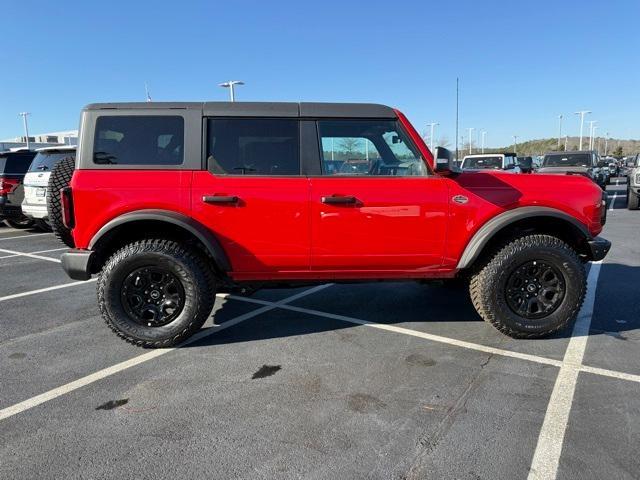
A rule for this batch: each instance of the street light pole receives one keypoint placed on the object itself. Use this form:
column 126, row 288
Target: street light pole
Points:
column 515, row 144
column 471, row 129
column 566, row 141
column 432, row 125
column 483, row 134
column 593, row 141
column 606, row 143
column 26, row 127
column 230, row 84
column 559, row 129
column 591, row 124
column 582, row 113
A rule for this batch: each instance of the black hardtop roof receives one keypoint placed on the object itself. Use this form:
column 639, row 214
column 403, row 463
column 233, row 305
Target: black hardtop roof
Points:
column 260, row 109
column 570, row 152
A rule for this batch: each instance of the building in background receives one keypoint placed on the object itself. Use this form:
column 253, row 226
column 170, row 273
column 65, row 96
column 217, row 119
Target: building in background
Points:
column 68, row 137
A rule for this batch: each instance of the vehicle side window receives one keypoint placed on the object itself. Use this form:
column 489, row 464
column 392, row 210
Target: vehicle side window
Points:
column 240, row 146
column 368, row 148
column 139, row 140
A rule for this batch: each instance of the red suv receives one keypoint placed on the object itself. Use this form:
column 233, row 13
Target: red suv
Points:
column 171, row 202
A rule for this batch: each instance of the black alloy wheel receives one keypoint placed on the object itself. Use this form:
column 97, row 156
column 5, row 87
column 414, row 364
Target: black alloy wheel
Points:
column 152, row 296
column 535, row 289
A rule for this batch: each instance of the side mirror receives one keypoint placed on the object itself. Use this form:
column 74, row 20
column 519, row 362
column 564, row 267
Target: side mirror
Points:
column 511, row 166
column 444, row 161
column 526, row 164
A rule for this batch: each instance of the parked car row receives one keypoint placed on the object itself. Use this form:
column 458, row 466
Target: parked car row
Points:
column 586, row 163
column 24, row 176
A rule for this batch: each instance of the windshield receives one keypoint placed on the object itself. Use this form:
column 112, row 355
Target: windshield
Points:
column 568, row 160
column 45, row 161
column 479, row 163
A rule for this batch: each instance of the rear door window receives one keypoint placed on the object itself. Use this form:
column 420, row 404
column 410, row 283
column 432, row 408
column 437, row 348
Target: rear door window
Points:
column 15, row 164
column 243, row 146
column 44, row 162
column 139, row 140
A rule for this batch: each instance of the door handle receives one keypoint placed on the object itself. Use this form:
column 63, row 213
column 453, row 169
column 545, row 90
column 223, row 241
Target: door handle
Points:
column 339, row 200
column 221, row 199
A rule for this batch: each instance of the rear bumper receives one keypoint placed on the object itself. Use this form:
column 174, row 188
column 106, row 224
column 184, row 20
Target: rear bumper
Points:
column 8, row 210
column 599, row 247
column 77, row 263
column 34, row 210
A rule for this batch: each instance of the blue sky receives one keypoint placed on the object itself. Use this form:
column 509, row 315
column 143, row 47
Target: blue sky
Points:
column 520, row 63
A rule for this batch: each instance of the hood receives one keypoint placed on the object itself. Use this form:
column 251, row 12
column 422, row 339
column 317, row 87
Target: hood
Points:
column 564, row 170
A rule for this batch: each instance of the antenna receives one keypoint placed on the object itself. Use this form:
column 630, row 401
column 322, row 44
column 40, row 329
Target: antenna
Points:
column 457, row 95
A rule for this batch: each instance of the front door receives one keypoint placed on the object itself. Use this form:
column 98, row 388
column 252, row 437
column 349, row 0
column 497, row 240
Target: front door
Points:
column 253, row 197
column 376, row 210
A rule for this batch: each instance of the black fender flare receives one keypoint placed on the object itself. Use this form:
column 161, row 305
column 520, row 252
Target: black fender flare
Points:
column 194, row 227
column 482, row 237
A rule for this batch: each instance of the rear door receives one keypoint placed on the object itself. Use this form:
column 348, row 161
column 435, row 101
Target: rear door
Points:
column 386, row 219
column 253, row 196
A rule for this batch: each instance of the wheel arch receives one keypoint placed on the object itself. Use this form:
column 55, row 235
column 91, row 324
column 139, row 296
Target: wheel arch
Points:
column 162, row 223
column 513, row 223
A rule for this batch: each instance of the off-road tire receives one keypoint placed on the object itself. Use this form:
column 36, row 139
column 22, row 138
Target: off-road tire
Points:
column 633, row 200
column 59, row 179
column 488, row 286
column 187, row 264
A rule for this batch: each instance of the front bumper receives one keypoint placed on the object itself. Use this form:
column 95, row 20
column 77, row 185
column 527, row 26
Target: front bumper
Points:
column 77, row 263
column 599, row 247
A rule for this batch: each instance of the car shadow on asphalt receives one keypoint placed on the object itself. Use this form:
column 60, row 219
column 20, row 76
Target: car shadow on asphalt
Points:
column 410, row 304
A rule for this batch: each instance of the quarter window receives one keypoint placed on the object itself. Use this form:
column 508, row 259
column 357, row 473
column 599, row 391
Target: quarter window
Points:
column 368, row 148
column 253, row 146
column 139, row 140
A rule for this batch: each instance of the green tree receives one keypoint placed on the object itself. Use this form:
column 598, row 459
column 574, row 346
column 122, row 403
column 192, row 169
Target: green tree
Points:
column 618, row 152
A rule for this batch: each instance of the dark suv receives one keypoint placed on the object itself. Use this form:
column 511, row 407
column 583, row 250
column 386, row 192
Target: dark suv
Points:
column 13, row 168
column 586, row 163
column 171, row 202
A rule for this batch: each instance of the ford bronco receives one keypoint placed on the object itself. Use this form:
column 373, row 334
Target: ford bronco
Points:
column 171, row 202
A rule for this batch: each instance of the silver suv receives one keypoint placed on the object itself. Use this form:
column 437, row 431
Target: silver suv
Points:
column 633, row 183
column 34, row 205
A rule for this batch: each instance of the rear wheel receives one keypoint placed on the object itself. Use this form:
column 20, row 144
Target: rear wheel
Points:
column 531, row 288
column 156, row 293
column 20, row 223
column 59, row 179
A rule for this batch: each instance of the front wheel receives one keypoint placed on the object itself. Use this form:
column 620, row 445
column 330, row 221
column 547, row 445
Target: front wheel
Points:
column 156, row 293
column 531, row 288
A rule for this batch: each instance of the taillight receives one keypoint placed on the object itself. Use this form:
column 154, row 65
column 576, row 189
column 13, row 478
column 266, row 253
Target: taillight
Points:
column 66, row 201
column 7, row 185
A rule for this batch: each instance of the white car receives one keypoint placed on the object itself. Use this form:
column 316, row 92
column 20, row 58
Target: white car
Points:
column 491, row 161
column 36, row 180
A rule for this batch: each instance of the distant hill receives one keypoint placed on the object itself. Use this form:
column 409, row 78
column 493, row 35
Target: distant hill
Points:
column 539, row 147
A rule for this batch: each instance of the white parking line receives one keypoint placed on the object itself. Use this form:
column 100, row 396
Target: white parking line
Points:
column 39, row 251
column 30, row 255
column 613, row 200
column 547, row 454
column 25, row 236
column 47, row 289
column 106, row 372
